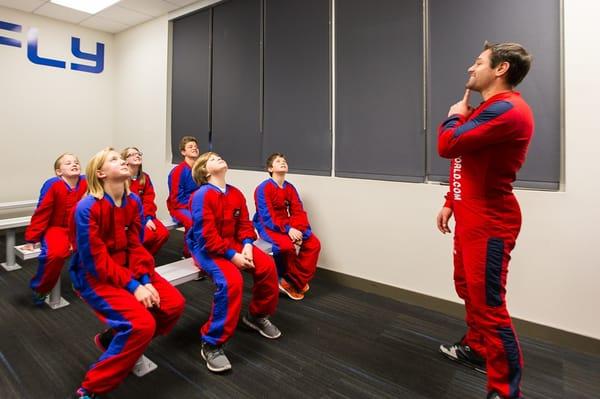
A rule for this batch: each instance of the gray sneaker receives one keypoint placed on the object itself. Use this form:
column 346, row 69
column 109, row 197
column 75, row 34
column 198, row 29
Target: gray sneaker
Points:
column 216, row 361
column 263, row 325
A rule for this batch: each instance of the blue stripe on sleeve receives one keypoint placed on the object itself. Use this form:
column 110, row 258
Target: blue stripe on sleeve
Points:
column 195, row 237
column 82, row 225
column 46, row 187
column 262, row 209
column 141, row 214
column 492, row 112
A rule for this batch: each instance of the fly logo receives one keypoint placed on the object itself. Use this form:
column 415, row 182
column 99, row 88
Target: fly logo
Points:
column 456, row 176
column 34, row 57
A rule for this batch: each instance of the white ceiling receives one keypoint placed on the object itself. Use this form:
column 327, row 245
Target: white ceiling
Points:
column 114, row 19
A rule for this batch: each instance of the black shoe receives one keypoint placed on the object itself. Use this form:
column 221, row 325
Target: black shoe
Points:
column 464, row 355
column 103, row 339
column 494, row 395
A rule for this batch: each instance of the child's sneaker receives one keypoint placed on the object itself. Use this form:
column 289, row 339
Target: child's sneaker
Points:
column 263, row 325
column 39, row 299
column 103, row 339
column 305, row 289
column 290, row 290
column 215, row 358
column 83, row 394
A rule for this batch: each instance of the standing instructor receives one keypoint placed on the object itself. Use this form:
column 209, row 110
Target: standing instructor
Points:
column 487, row 146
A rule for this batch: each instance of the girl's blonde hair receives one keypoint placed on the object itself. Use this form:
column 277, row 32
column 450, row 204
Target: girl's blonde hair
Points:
column 58, row 161
column 95, row 186
column 199, row 171
column 141, row 176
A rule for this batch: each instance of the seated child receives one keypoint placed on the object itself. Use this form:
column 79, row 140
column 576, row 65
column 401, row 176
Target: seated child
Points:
column 281, row 220
column 114, row 274
column 220, row 241
column 49, row 224
column 155, row 232
column 182, row 185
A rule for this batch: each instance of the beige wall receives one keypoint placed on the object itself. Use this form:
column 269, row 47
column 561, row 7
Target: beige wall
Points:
column 46, row 111
column 384, row 231
column 555, row 270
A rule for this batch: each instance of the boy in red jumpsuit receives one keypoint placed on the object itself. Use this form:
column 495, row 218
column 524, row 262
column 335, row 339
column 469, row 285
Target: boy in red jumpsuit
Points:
column 182, row 185
column 221, row 244
column 114, row 274
column 281, row 220
column 50, row 223
column 155, row 233
column 488, row 146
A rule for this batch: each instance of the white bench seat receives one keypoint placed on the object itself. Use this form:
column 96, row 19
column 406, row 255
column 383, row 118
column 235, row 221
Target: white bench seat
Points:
column 18, row 204
column 10, row 225
column 54, row 300
column 26, row 254
column 171, row 224
column 179, row 272
column 264, row 246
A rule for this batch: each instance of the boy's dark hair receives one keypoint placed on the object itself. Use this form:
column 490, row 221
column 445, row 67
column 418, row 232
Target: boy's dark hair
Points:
column 517, row 57
column 186, row 139
column 272, row 158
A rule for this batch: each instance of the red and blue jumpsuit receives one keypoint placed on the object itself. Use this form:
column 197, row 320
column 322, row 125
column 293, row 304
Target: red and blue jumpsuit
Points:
column 221, row 228
column 50, row 227
column 277, row 210
column 153, row 239
column 181, row 187
column 109, row 264
column 487, row 150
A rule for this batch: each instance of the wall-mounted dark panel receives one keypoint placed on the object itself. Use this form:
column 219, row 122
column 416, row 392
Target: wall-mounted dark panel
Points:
column 458, row 31
column 190, row 81
column 236, row 83
column 379, row 90
column 296, row 83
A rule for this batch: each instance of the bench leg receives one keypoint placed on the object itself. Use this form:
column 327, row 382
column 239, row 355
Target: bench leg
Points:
column 54, row 300
column 10, row 263
column 143, row 366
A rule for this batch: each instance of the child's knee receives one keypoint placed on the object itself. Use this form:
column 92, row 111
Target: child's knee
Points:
column 144, row 326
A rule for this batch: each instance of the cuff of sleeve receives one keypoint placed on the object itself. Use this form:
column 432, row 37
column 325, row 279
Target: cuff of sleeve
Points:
column 147, row 218
column 229, row 253
column 448, row 204
column 452, row 120
column 132, row 285
column 144, row 279
column 287, row 228
column 248, row 241
column 306, row 233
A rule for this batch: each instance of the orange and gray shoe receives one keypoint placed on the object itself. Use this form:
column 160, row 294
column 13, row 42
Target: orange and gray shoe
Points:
column 305, row 289
column 290, row 290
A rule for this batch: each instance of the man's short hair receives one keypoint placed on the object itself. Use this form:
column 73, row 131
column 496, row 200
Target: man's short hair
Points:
column 518, row 58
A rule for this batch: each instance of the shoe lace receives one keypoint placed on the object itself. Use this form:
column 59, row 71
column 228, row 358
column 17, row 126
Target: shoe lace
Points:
column 215, row 352
column 264, row 322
